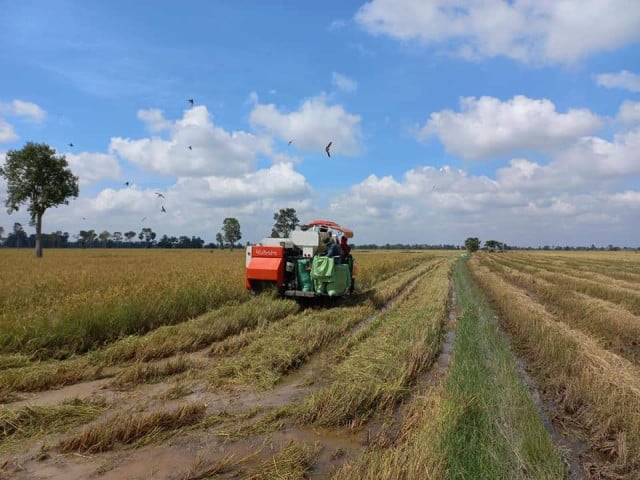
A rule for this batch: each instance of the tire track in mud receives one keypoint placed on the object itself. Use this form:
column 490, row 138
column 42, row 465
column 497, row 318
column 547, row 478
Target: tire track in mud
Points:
column 292, row 388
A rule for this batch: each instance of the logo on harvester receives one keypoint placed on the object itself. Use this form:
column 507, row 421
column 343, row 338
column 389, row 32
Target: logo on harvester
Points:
column 265, row 252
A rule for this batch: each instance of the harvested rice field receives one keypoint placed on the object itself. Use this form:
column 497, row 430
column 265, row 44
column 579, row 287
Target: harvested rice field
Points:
column 160, row 365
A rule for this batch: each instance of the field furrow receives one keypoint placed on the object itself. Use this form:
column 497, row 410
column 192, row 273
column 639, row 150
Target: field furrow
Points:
column 597, row 390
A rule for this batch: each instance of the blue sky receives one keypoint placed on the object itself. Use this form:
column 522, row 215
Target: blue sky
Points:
column 518, row 121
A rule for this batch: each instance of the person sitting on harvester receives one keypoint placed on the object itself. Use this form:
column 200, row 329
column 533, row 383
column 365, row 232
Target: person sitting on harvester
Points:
column 346, row 249
column 333, row 249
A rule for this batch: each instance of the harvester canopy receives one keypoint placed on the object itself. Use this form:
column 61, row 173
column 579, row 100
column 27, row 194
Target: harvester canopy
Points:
column 347, row 232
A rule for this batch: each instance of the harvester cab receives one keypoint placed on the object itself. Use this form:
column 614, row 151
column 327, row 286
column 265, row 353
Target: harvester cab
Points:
column 299, row 266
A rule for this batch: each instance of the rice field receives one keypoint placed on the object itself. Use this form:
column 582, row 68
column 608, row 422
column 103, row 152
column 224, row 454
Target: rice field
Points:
column 159, row 364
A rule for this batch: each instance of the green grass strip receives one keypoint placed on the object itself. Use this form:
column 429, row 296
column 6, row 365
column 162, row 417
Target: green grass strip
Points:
column 492, row 429
column 479, row 423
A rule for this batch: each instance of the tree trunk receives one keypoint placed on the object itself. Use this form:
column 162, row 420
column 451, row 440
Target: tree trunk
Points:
column 38, row 232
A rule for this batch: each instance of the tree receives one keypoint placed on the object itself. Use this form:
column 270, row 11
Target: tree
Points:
column 148, row 236
column 494, row 245
column 1, row 233
column 286, row 221
column 472, row 244
column 104, row 238
column 17, row 238
column 35, row 175
column 129, row 235
column 219, row 240
column 117, row 238
column 231, row 231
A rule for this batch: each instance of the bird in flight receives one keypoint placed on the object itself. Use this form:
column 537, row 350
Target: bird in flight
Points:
column 159, row 194
column 84, row 218
column 190, row 101
column 163, row 209
column 143, row 219
column 126, row 184
column 326, row 149
column 70, row 144
column 190, row 147
column 290, row 142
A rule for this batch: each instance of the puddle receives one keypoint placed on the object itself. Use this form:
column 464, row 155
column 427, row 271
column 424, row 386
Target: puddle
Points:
column 54, row 397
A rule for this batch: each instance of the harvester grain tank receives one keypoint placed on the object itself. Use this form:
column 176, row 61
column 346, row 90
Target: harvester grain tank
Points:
column 299, row 266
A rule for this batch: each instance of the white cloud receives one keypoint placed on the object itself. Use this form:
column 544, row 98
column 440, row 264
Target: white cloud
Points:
column 626, row 199
column 214, row 151
column 20, row 108
column 623, row 79
column 312, row 126
column 92, row 167
column 524, row 30
column 154, row 120
column 343, row 82
column 592, row 163
column 280, row 181
column 7, row 133
column 629, row 112
column 389, row 210
column 487, row 126
column 337, row 24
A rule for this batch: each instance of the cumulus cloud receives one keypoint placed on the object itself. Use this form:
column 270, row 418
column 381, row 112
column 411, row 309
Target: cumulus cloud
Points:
column 343, row 82
column 92, row 167
column 487, row 126
column 629, row 112
column 312, row 126
column 280, row 181
column 20, row 108
column 623, row 79
column 585, row 165
column 524, row 30
column 432, row 205
column 214, row 151
column 154, row 120
column 7, row 133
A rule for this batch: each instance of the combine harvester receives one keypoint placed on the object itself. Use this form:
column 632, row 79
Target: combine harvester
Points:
column 298, row 266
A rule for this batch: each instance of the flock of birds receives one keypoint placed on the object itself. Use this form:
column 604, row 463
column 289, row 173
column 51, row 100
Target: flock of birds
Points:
column 327, row 149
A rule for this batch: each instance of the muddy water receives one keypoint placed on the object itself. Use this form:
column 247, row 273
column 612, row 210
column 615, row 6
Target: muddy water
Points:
column 54, row 397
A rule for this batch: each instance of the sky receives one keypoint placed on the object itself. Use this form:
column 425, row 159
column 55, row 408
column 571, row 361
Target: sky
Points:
column 516, row 120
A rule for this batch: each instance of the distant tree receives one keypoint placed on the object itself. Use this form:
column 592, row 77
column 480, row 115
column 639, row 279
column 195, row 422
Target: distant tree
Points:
column 148, row 236
column 219, row 239
column 274, row 233
column 17, row 238
column 104, row 238
column 35, row 175
column 1, row 234
column 494, row 245
column 91, row 237
column 117, row 238
column 164, row 242
column 472, row 244
column 129, row 235
column 231, row 231
column 286, row 221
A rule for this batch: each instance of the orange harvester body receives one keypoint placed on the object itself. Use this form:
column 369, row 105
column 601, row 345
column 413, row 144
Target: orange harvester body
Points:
column 266, row 263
